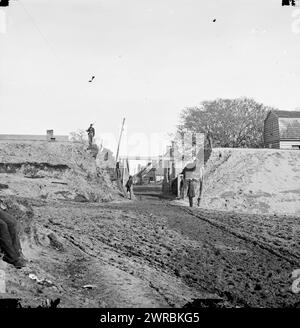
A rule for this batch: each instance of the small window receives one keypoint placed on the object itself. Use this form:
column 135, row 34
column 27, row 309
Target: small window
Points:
column 296, row 147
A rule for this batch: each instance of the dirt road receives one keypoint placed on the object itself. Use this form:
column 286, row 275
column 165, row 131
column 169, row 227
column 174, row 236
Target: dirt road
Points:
column 151, row 253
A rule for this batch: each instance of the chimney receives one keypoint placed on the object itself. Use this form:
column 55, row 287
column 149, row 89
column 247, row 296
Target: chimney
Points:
column 50, row 135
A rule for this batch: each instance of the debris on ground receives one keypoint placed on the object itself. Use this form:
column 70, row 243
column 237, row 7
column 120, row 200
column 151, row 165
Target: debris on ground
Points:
column 89, row 286
column 43, row 281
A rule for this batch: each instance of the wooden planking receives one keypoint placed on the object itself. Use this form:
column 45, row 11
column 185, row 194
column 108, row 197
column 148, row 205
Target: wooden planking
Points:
column 289, row 128
column 289, row 144
column 271, row 131
column 274, row 145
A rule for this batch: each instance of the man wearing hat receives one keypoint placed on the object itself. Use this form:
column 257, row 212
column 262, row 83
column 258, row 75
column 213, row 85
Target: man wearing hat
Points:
column 191, row 191
column 91, row 134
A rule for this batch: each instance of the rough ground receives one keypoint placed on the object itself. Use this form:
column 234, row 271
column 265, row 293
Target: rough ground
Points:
column 150, row 253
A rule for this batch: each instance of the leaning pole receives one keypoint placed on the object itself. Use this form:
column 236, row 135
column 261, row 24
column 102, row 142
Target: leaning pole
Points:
column 120, row 137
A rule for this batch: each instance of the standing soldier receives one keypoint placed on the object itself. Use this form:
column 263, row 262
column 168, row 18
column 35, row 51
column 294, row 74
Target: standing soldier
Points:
column 129, row 185
column 191, row 192
column 91, row 134
column 181, row 187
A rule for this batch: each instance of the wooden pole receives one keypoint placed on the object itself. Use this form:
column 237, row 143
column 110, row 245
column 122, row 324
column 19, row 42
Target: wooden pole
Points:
column 121, row 132
column 124, row 171
column 2, row 282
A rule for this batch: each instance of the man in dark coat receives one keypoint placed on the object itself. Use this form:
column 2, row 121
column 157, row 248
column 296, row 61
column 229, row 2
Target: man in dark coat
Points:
column 91, row 134
column 181, row 187
column 129, row 185
column 9, row 240
column 118, row 171
column 191, row 192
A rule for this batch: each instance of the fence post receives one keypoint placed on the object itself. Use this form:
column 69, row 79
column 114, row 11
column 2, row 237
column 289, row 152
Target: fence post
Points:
column 2, row 282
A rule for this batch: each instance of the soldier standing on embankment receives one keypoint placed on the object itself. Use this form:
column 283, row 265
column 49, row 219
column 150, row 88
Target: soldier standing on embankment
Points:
column 181, row 187
column 91, row 134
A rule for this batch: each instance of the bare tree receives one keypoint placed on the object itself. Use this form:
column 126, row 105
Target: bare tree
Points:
column 79, row 136
column 227, row 122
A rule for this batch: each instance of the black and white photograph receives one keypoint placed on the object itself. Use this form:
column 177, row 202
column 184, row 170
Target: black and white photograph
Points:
column 149, row 156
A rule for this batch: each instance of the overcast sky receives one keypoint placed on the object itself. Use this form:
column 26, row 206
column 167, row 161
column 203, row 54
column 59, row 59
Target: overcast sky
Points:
column 150, row 59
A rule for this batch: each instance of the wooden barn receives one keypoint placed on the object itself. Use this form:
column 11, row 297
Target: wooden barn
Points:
column 282, row 129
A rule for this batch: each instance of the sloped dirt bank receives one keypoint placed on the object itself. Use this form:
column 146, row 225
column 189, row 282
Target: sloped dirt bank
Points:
column 258, row 181
column 53, row 171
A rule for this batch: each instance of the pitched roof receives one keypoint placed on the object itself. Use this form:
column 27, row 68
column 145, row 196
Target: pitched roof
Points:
column 289, row 128
column 157, row 170
column 287, row 113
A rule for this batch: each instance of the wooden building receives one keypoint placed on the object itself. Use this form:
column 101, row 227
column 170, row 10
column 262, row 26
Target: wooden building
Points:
column 149, row 174
column 282, row 129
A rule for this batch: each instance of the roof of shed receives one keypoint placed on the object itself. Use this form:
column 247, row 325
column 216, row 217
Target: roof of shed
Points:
column 289, row 128
column 287, row 113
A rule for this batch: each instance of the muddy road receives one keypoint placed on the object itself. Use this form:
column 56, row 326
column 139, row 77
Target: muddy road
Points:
column 152, row 253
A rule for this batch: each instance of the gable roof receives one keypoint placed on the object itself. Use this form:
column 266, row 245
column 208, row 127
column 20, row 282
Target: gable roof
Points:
column 287, row 113
column 289, row 128
column 157, row 170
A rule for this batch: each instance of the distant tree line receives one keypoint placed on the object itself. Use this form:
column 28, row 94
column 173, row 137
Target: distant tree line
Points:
column 227, row 122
